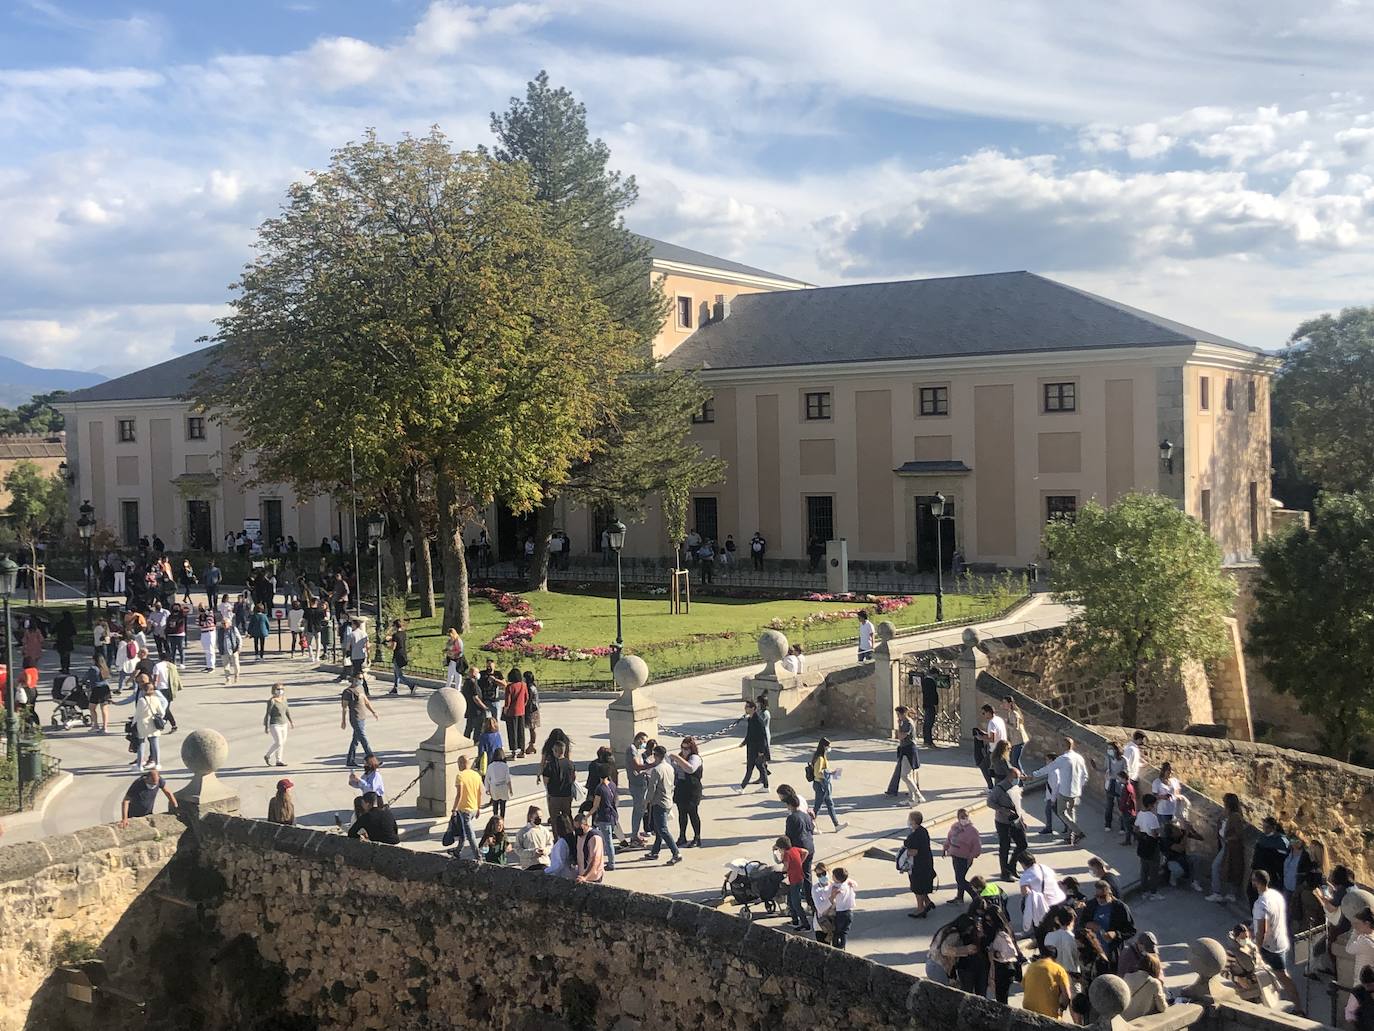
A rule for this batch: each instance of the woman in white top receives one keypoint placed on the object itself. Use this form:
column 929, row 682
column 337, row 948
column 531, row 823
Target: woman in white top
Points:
column 150, row 709
column 794, row 662
column 1039, row 891
column 842, row 899
column 295, row 622
column 1167, row 791
column 562, row 860
column 534, row 843
column 498, row 783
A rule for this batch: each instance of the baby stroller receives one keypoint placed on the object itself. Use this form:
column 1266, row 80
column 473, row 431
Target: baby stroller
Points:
column 73, row 703
column 749, row 881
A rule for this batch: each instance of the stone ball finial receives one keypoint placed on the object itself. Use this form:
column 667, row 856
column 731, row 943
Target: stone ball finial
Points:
column 204, row 751
column 886, row 630
column 445, row 707
column 1207, row 956
column 631, row 673
column 1109, row 996
column 972, row 637
column 1355, row 901
column 772, row 645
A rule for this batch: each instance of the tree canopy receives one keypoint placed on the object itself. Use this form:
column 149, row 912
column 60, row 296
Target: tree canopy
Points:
column 1323, row 402
column 38, row 503
column 1326, row 663
column 1148, row 578
column 36, row 415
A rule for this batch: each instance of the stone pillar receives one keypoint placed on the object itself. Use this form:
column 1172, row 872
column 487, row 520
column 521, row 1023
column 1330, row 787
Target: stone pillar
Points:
column 437, row 756
column 888, row 675
column 1108, row 995
column 972, row 661
column 634, row 710
column 1208, row 959
column 204, row 752
column 772, row 649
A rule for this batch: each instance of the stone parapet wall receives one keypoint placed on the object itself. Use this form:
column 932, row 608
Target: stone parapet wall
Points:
column 1317, row 796
column 81, row 885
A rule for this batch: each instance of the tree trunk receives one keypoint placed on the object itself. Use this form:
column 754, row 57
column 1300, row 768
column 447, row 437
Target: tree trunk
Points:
column 451, row 553
column 399, row 574
column 1130, row 697
column 543, row 526
column 415, row 522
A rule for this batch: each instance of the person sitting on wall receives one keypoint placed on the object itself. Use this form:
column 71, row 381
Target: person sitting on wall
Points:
column 375, row 822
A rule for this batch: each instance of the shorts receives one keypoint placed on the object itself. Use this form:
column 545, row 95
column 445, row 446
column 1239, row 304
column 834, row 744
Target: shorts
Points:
column 1275, row 961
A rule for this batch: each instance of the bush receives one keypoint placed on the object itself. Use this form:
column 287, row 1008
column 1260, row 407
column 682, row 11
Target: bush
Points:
column 70, row 949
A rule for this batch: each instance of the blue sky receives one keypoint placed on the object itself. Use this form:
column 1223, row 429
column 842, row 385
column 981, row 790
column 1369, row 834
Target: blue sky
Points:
column 1213, row 162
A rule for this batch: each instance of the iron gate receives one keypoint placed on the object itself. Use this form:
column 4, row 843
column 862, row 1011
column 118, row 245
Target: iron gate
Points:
column 914, row 669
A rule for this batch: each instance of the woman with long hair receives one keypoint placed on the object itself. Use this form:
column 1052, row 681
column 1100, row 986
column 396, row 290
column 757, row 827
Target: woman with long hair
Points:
column 97, row 683
column 687, row 773
column 492, row 848
column 562, row 857
column 531, row 711
column 258, row 629
column 498, row 783
column 453, row 658
column 282, row 807
column 1228, row 865
column 821, row 778
column 488, row 744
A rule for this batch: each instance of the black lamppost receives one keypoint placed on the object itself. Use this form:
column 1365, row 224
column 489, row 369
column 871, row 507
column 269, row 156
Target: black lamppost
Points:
column 937, row 509
column 86, row 527
column 615, row 536
column 9, row 576
column 376, row 527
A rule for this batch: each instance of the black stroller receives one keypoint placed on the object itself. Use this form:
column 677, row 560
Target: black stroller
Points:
column 749, row 881
column 73, row 703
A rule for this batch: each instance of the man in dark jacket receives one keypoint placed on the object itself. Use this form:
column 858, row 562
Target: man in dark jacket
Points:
column 755, row 745
column 1109, row 919
column 1005, row 801
column 375, row 822
column 1271, row 849
column 930, row 707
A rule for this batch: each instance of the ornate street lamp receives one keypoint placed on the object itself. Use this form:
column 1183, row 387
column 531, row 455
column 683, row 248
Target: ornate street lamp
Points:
column 1166, row 455
column 937, row 509
column 376, row 527
column 86, row 527
column 615, row 537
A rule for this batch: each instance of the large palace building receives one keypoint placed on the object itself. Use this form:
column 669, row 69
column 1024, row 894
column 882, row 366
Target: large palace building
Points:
column 838, row 411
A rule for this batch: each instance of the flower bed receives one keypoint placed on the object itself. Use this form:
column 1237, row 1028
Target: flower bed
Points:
column 879, row 606
column 518, row 634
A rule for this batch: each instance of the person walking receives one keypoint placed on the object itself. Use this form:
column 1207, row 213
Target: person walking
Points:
column 150, row 710
column 467, row 804
column 1228, row 866
column 790, row 858
column 399, row 643
column 687, row 774
column 258, row 629
column 212, row 582
column 353, row 703
column 474, row 709
column 1073, row 778
column 963, row 844
column 282, row 807
column 97, row 683
column 658, row 797
column 919, row 864
column 141, row 797
column 513, row 711
column 64, row 640
column 755, row 745
column 1270, row 927
column 800, row 828
column 176, row 634
column 228, row 643
column 821, row 776
column 1016, row 730
column 1147, row 847
column 358, row 649
column 276, row 724
column 498, row 783
column 637, row 777
column 865, row 637
column 1040, row 890
column 907, row 770
column 295, row 627
column 1010, row 821
column 558, row 776
column 531, row 711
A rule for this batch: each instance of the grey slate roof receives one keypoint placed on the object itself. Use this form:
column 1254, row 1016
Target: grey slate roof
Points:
column 672, row 252
column 998, row 313
column 166, row 379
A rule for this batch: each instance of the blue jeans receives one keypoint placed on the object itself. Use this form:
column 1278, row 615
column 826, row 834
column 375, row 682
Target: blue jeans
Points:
column 398, row 677
column 607, row 832
column 1049, row 813
column 465, row 832
column 1016, row 751
column 658, row 816
column 1113, row 796
column 359, row 738
column 824, row 800
column 794, row 903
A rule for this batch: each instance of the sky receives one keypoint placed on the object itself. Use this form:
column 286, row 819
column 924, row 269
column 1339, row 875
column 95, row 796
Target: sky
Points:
column 1212, row 162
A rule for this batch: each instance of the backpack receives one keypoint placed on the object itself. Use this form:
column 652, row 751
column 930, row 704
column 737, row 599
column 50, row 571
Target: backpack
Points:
column 810, row 774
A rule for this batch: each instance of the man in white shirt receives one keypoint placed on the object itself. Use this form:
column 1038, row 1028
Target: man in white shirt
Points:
column 1270, row 928
column 1133, row 755
column 865, row 638
column 842, row 900
column 1073, row 776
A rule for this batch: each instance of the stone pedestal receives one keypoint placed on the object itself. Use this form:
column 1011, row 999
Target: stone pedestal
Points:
column 204, row 752
column 634, row 711
column 1209, row 959
column 888, row 673
column 972, row 661
column 437, row 756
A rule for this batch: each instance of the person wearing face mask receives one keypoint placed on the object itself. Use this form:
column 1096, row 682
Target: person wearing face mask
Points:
column 963, row 844
column 823, row 921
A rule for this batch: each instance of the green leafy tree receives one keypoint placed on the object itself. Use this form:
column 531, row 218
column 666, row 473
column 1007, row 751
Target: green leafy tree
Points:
column 38, row 505
column 410, row 301
column 1148, row 579
column 1313, row 626
column 1324, row 402
column 640, row 443
column 36, row 415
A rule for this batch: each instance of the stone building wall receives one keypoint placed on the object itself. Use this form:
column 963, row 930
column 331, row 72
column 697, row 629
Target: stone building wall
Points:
column 85, row 886
column 1315, row 795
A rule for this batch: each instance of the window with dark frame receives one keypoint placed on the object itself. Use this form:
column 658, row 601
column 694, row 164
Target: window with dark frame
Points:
column 1250, row 396
column 1230, row 393
column 707, row 413
column 128, row 517
column 126, row 431
column 684, row 312
column 195, row 427
column 1061, row 397
column 706, row 518
column 934, row 401
column 1204, row 393
column 1207, row 510
column 1061, row 506
column 820, row 517
column 818, row 405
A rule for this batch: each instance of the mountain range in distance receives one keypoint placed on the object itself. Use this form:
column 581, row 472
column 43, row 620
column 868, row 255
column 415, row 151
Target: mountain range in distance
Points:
column 19, row 382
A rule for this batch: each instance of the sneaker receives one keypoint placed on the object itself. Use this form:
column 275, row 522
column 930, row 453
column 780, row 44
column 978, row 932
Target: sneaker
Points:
column 1197, row 887
column 392, row 692
column 672, row 862
column 650, row 855
column 1214, row 897
column 841, row 826
column 266, row 761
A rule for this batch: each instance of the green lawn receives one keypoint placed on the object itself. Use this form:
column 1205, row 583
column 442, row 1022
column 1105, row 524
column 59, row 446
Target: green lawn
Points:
column 663, row 639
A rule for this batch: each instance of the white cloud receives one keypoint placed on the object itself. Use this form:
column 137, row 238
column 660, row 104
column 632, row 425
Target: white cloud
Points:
column 70, row 79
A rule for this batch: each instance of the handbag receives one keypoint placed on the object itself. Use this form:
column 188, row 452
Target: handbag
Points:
column 451, row 832
column 579, row 793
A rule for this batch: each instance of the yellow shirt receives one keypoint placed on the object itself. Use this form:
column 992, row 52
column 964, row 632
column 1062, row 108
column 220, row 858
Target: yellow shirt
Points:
column 1041, row 985
column 469, row 791
column 818, row 767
